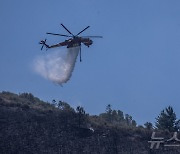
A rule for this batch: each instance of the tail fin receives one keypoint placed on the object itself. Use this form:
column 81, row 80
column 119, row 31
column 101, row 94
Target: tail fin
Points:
column 43, row 42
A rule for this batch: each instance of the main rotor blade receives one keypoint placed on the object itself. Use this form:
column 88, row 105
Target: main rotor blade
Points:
column 67, row 29
column 59, row 34
column 83, row 30
column 93, row 36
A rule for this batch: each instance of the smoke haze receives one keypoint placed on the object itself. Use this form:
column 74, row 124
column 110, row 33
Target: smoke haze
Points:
column 58, row 65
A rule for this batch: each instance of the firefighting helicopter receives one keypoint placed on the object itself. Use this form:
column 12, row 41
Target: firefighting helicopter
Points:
column 74, row 41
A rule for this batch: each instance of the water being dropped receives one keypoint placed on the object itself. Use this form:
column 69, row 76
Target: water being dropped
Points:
column 58, row 65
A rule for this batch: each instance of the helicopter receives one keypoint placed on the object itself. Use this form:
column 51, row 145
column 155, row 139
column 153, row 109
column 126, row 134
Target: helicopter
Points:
column 73, row 41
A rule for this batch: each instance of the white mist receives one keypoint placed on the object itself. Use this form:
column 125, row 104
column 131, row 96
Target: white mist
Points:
column 58, row 65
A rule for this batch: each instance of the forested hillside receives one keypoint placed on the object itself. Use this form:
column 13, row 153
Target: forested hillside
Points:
column 29, row 125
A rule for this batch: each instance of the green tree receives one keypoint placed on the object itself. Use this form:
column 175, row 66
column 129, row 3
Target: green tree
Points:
column 128, row 119
column 54, row 103
column 29, row 97
column 109, row 113
column 167, row 120
column 81, row 115
column 64, row 106
column 120, row 116
column 133, row 123
column 109, row 109
column 114, row 115
column 178, row 125
column 148, row 125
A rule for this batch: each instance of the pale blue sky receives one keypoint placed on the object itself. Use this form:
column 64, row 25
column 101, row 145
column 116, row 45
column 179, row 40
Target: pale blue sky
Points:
column 135, row 67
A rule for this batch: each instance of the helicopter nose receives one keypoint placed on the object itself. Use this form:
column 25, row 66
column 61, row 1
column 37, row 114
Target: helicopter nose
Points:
column 90, row 42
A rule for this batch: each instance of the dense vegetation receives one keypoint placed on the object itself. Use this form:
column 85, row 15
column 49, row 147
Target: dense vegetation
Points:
column 29, row 125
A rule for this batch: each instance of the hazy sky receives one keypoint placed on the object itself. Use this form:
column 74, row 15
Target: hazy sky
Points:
column 135, row 67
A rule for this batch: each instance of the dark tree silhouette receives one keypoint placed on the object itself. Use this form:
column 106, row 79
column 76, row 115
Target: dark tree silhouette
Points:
column 148, row 125
column 81, row 114
column 167, row 120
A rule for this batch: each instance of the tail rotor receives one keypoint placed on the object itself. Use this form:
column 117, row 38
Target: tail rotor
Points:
column 43, row 42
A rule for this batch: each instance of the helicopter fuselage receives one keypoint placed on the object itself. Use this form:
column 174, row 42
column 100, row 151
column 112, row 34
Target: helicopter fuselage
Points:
column 76, row 41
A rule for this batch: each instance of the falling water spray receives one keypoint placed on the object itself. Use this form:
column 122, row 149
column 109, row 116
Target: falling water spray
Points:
column 58, row 65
